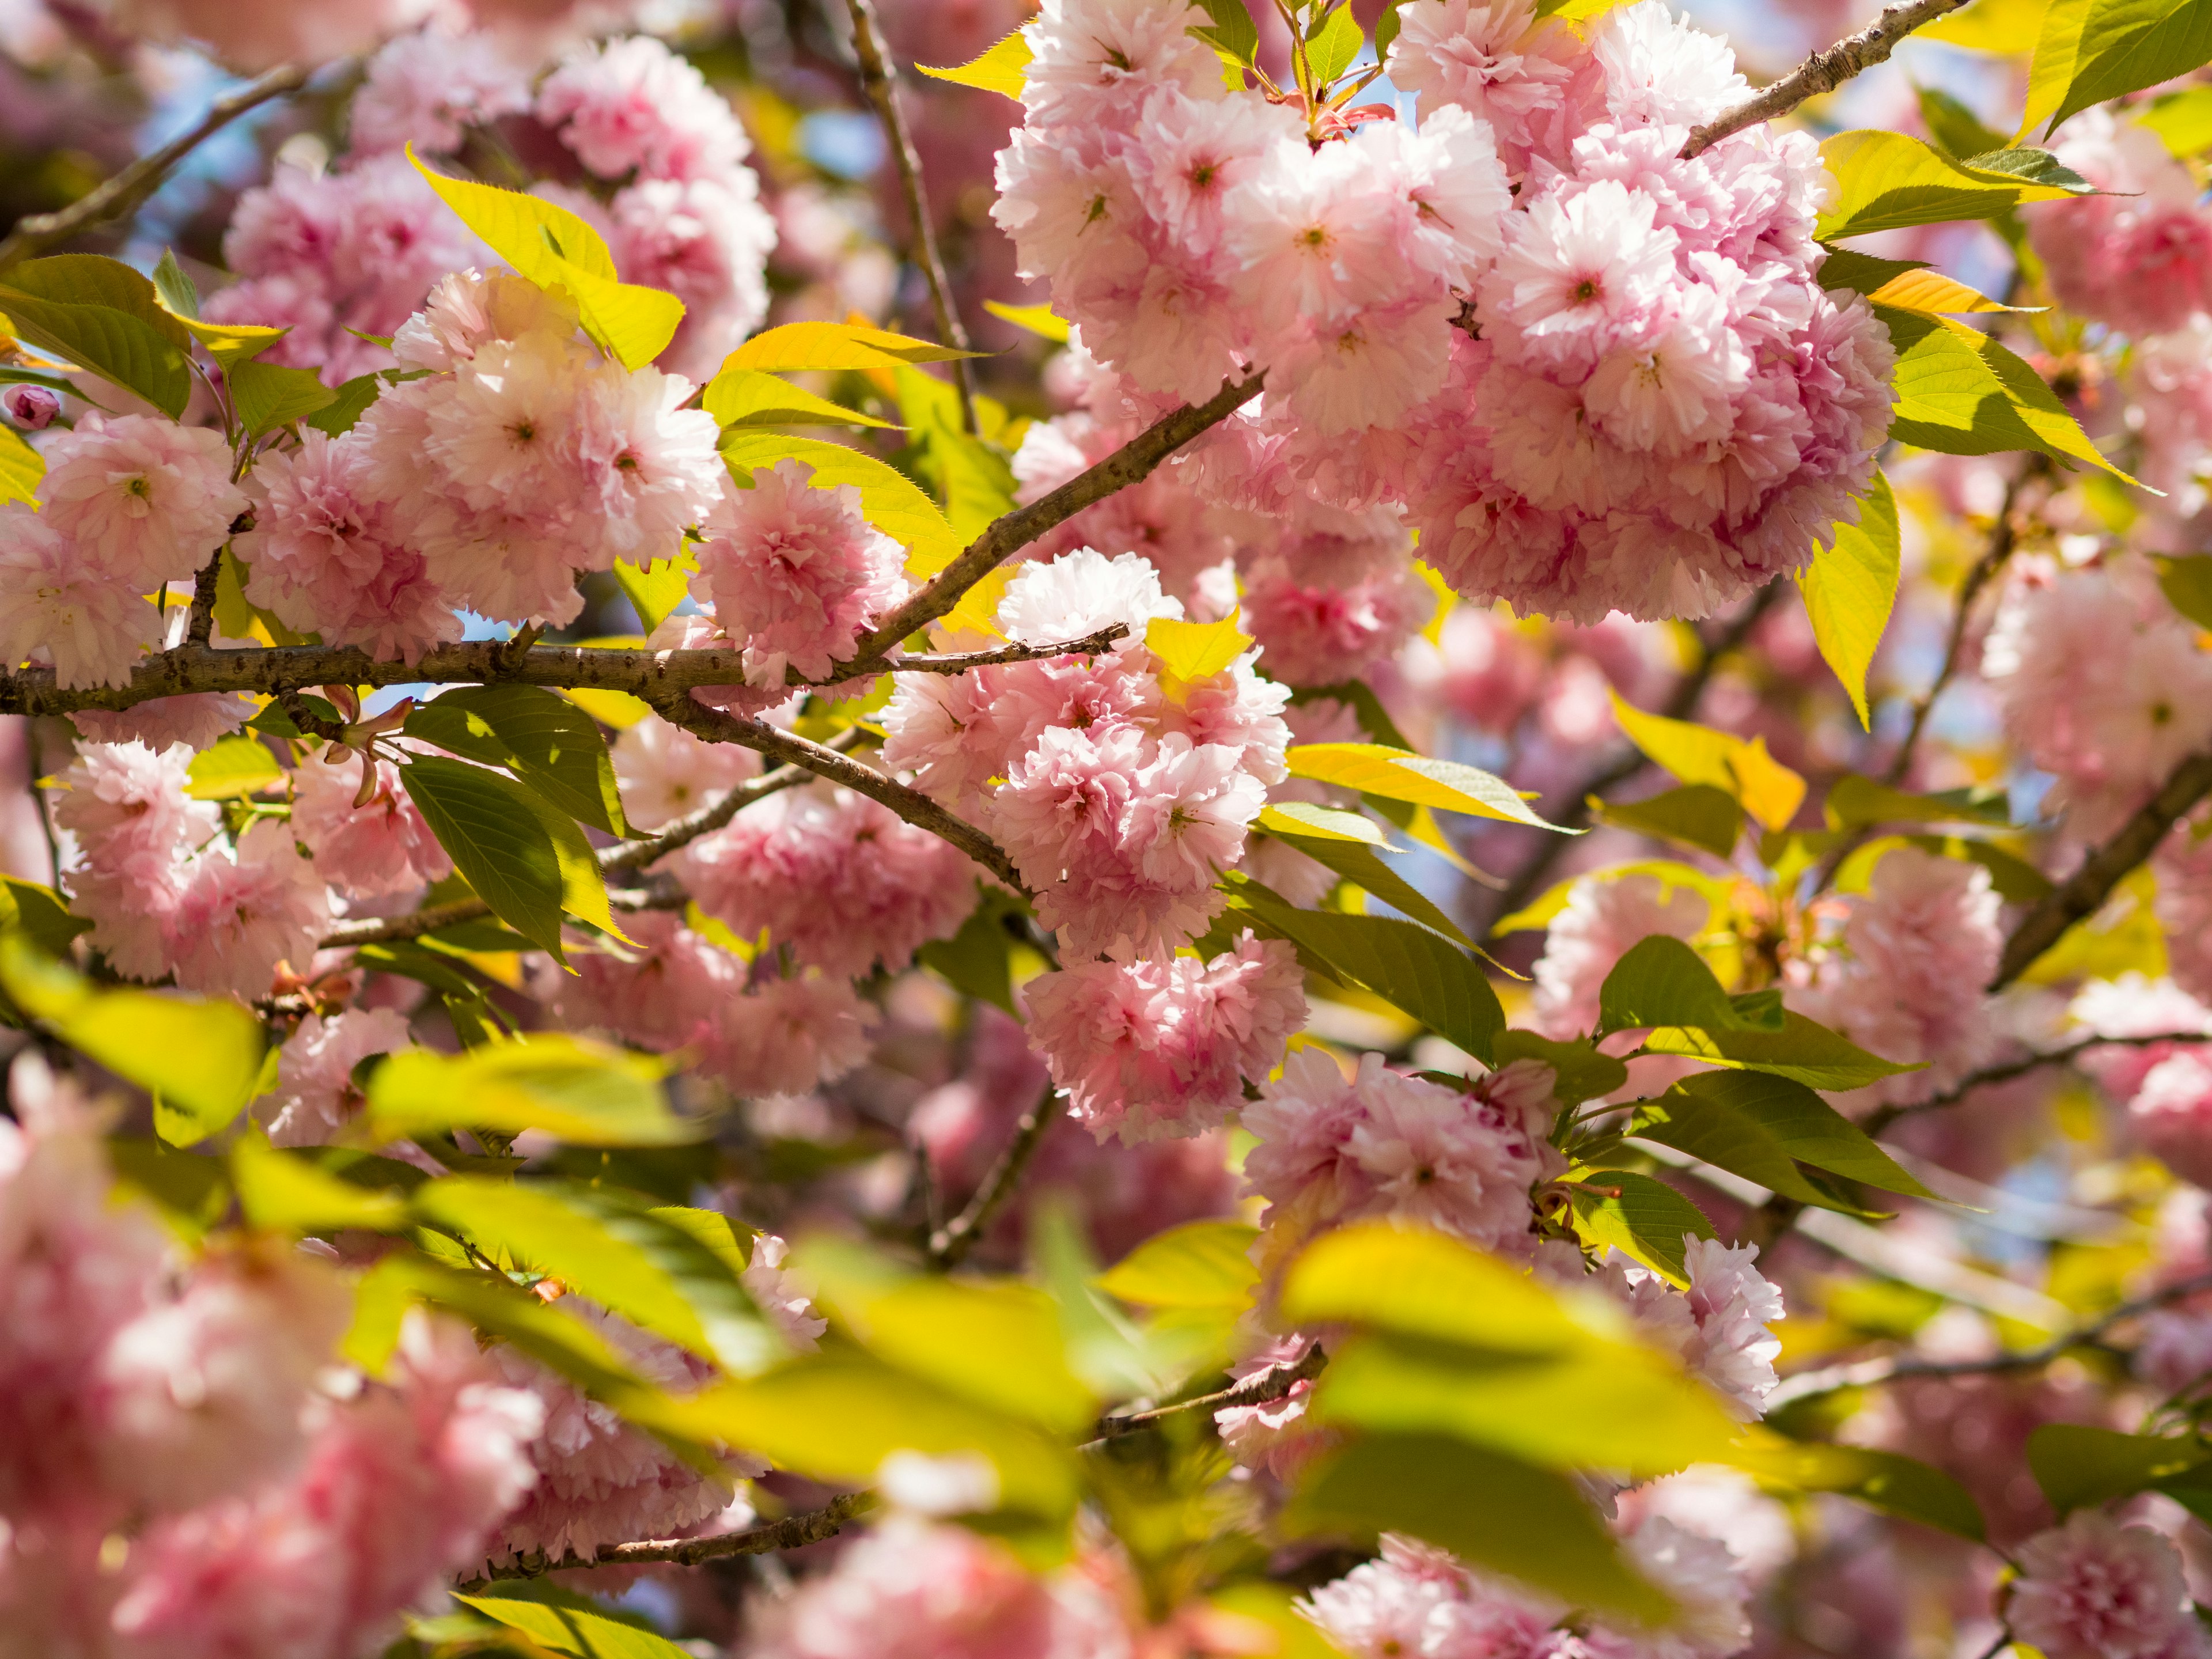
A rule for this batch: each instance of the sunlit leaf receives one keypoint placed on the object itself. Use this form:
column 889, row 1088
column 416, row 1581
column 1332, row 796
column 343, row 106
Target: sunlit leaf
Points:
column 21, row 467
column 1003, row 69
column 1890, row 180
column 1200, row 1264
column 1620, row 1209
column 269, row 395
column 1373, row 769
column 793, row 347
column 1850, row 587
column 585, row 1093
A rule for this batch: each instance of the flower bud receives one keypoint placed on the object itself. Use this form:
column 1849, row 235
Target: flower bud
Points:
column 31, row 407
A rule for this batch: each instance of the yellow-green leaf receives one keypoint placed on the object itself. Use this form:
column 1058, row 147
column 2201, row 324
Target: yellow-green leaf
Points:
column 1191, row 651
column 555, row 248
column 815, row 345
column 1004, row 69
column 1040, row 320
column 1936, row 294
column 1768, row 790
column 232, row 768
column 1200, row 1264
column 1850, row 587
column 2127, row 44
column 1621, row 1209
column 585, row 1093
column 21, row 467
column 750, row 397
column 1374, row 769
column 1889, row 182
column 2008, row 27
column 653, row 591
column 269, row 395
column 1299, row 817
column 284, row 1191
column 2057, row 50
column 2183, row 120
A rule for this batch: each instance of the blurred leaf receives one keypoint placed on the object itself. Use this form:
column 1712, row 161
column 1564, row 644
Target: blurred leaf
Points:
column 566, row 1623
column 41, row 914
column 1695, row 815
column 2186, row 581
column 1850, row 587
column 1641, row 1217
column 1996, row 26
column 21, row 467
column 1395, row 775
column 1493, row 1512
column 232, row 769
column 2078, row 1466
column 1003, row 69
column 976, row 961
column 286, row 1192
column 554, row 248
column 1768, row 790
column 269, row 395
column 1671, row 874
column 190, row 1189
column 1895, row 1484
column 1199, row 1264
column 1038, row 320
column 1854, row 801
column 1955, row 129
column 1104, row 1348
column 1890, row 181
column 585, row 1093
column 2183, row 119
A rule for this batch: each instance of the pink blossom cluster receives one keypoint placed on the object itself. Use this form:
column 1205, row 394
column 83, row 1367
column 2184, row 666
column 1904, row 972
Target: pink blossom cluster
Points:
column 2100, row 683
column 167, row 894
column 316, row 1098
column 128, row 505
column 336, row 254
column 2091, row 1589
column 520, row 456
column 2137, row 254
column 259, row 33
column 665, row 773
column 1122, row 800
column 1720, row 1327
column 1417, row 1601
column 1146, row 1049
column 268, row 1512
column 1618, row 387
column 1905, row 979
column 1604, row 918
column 1380, row 1144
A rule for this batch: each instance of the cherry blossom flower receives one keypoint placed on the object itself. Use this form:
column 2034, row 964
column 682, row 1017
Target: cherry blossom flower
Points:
column 2090, row 1590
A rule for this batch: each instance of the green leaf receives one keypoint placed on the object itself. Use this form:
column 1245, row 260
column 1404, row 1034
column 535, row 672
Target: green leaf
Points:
column 1620, row 1209
column 585, row 1093
column 1386, row 28
column 1359, row 864
column 890, row 500
column 190, row 1190
column 1854, row 802
column 1395, row 775
column 748, row 396
column 1660, row 981
column 549, row 744
column 1808, row 1053
column 1961, row 393
column 1004, row 69
column 2016, row 880
column 21, row 467
column 2037, row 166
column 177, row 290
column 2077, row 1465
column 1579, row 1071
column 794, row 347
column 1231, row 33
column 110, row 344
column 1200, row 1264
column 1768, row 790
column 655, row 590
column 201, row 1060
column 1331, row 52
column 1713, row 1131
column 94, row 279
column 1955, row 128
column 2183, row 120
column 288, row 1193
column 1890, row 181
column 2125, row 46
column 998, row 1344
column 554, row 248
column 41, row 914
column 2186, row 581
column 1038, row 320
column 2057, row 54
column 1695, row 815
column 490, row 829
column 562, row 1621
column 347, row 405
column 1299, row 818
column 268, row 395
column 1491, row 1511
column 1851, row 588
column 837, row 1416
column 232, row 768
column 1805, row 1126
column 974, row 961
column 1895, row 1484
column 1402, row 961
column 976, row 481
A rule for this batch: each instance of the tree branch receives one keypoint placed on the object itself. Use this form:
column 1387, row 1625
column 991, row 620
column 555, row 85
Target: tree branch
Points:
column 271, row 670
column 950, row 1243
column 793, row 1532
column 679, row 709
column 35, row 233
column 875, row 82
column 1258, row 1390
column 1873, row 1373
column 1882, row 1117
column 1824, row 71
column 2085, row 891
column 1131, row 464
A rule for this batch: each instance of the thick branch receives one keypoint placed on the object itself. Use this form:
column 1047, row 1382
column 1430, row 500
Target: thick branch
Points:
column 1872, row 1373
column 793, row 1532
column 876, row 81
column 679, row 709
column 112, row 198
column 2085, row 891
column 1258, row 1390
column 646, row 675
column 1824, row 71
column 1131, row 464
column 953, row 1242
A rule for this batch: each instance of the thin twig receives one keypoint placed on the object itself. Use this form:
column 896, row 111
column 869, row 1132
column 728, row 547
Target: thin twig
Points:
column 1882, row 1117
column 793, row 1532
column 1575, row 811
column 883, row 92
column 271, row 671
column 1257, row 1389
column 1873, row 1373
column 950, row 1243
column 2084, row 892
column 1131, row 464
column 35, row 233
column 1824, row 71
column 680, row 709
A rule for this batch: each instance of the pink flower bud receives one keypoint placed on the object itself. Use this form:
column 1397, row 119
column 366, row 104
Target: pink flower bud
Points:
column 31, row 407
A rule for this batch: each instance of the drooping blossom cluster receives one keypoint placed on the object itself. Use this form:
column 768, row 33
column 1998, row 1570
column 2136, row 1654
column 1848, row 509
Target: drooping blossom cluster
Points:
column 1416, row 1599
column 353, row 249
column 1121, row 799
column 1620, row 388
